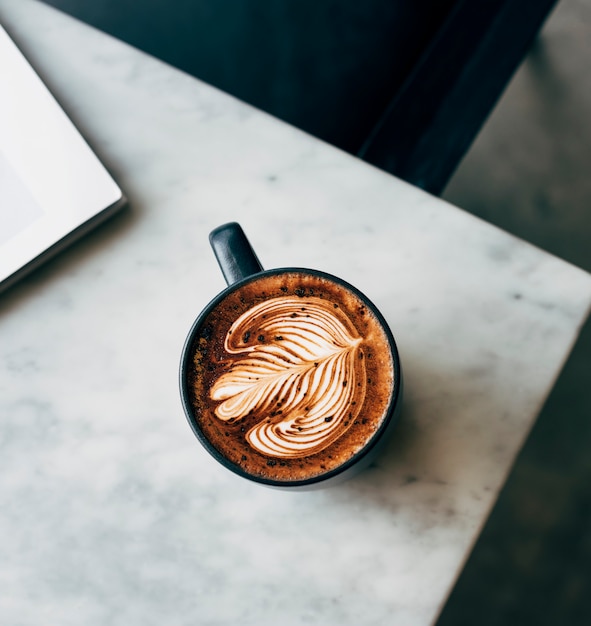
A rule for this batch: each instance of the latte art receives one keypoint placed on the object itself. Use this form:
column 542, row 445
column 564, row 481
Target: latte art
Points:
column 299, row 368
column 290, row 377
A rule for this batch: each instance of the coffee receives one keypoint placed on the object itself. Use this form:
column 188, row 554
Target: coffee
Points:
column 292, row 374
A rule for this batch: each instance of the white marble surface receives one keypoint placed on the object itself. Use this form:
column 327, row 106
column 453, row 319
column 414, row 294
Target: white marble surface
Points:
column 110, row 512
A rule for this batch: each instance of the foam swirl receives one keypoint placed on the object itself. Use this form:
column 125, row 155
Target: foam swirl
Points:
column 299, row 369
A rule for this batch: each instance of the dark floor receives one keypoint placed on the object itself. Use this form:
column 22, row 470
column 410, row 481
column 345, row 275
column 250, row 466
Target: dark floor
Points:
column 528, row 172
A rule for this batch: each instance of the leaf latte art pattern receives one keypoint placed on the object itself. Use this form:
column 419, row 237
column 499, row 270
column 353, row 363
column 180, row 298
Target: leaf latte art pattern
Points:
column 298, row 368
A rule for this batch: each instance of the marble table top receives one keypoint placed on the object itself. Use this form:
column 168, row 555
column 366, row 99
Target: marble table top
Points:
column 110, row 511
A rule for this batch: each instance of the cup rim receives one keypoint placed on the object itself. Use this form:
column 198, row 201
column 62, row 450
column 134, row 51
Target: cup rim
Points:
column 391, row 412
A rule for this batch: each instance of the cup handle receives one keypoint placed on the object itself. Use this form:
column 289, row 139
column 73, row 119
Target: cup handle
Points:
column 233, row 251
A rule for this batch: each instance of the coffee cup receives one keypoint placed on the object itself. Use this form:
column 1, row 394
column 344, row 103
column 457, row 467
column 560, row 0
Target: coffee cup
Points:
column 289, row 377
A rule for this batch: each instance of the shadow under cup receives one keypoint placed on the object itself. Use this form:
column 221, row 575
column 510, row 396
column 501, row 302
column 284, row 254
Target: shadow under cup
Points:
column 314, row 425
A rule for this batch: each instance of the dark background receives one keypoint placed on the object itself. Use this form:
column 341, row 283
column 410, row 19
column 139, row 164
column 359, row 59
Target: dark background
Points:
column 398, row 82
column 329, row 67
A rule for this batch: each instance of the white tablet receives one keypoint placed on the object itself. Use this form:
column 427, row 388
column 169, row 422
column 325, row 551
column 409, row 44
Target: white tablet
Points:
column 53, row 188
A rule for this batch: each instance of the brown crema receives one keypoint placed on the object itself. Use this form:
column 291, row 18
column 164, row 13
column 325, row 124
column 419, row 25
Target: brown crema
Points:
column 293, row 375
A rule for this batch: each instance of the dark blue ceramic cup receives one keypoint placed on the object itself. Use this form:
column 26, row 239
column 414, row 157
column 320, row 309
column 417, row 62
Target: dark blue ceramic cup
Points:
column 240, row 266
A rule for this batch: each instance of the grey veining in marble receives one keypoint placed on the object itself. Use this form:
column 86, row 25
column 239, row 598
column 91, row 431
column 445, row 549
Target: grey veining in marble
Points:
column 110, row 512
